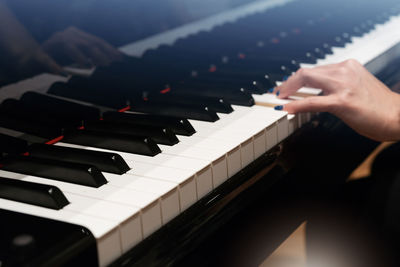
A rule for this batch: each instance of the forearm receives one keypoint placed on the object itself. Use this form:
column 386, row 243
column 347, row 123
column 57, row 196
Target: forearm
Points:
column 394, row 120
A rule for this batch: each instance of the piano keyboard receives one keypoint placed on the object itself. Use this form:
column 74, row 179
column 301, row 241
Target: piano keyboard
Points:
column 123, row 204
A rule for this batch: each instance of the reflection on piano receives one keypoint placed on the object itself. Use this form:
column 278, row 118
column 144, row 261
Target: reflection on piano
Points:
column 158, row 144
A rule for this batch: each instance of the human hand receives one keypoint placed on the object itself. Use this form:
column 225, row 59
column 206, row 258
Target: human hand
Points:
column 351, row 93
column 73, row 46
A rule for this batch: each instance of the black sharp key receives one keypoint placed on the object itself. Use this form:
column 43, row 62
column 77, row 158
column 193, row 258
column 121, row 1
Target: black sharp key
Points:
column 215, row 103
column 54, row 169
column 318, row 52
column 28, row 240
column 175, row 110
column 118, row 142
column 104, row 161
column 161, row 135
column 12, row 145
column 235, row 96
column 32, row 193
column 83, row 91
column 27, row 112
column 59, row 107
column 179, row 126
column 28, row 126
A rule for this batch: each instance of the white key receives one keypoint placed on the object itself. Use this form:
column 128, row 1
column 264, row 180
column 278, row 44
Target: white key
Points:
column 182, row 178
column 201, row 169
column 150, row 211
column 294, row 120
column 280, row 117
column 217, row 157
column 243, row 129
column 185, row 179
column 166, row 191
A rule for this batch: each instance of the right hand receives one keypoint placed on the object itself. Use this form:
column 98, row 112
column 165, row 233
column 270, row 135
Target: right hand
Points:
column 351, row 93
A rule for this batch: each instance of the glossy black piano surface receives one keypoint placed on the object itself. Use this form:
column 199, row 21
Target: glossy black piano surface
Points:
column 144, row 102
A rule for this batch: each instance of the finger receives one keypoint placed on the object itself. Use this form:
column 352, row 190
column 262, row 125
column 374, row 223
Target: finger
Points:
column 311, row 104
column 294, row 83
column 319, row 77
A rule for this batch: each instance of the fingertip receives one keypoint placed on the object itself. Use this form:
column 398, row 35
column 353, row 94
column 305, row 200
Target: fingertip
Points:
column 289, row 108
column 280, row 96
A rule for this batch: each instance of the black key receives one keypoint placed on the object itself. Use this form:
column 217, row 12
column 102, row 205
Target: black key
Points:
column 175, row 110
column 327, row 49
column 26, row 112
column 12, row 145
column 59, row 107
column 160, row 135
column 28, row 240
column 28, row 126
column 118, row 142
column 179, row 126
column 217, row 104
column 32, row 193
column 236, row 96
column 104, row 161
column 88, row 94
column 318, row 52
column 54, row 169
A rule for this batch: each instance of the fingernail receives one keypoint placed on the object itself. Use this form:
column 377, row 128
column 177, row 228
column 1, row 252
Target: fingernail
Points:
column 285, row 78
column 280, row 107
column 277, row 93
column 271, row 90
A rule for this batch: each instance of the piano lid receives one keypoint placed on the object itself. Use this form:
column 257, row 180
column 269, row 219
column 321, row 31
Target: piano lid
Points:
column 41, row 36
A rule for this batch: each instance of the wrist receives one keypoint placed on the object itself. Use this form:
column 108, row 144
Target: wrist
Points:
column 394, row 122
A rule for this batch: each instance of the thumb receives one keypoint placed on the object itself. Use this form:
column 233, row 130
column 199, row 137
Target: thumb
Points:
column 310, row 104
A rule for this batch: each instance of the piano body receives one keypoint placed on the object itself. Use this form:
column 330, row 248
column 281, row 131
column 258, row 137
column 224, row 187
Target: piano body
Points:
column 145, row 159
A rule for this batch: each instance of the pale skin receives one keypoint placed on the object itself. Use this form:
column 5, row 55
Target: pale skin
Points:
column 351, row 93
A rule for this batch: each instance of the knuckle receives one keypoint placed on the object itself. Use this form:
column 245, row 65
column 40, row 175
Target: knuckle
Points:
column 301, row 71
column 342, row 70
column 352, row 63
column 304, row 74
column 347, row 68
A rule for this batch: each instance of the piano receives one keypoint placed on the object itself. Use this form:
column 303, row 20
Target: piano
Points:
column 139, row 161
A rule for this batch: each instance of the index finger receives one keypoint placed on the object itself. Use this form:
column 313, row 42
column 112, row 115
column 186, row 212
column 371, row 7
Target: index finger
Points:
column 319, row 77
